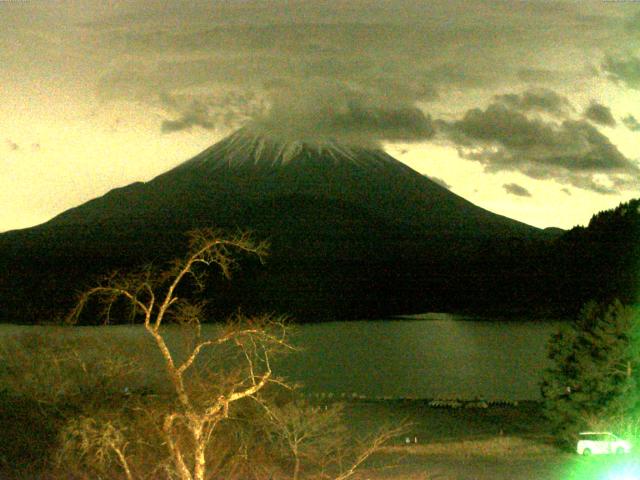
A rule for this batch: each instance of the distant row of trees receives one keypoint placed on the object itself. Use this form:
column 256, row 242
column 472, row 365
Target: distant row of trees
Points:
column 327, row 267
column 602, row 260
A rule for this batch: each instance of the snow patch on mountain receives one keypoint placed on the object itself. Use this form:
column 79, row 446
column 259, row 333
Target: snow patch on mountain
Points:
column 248, row 147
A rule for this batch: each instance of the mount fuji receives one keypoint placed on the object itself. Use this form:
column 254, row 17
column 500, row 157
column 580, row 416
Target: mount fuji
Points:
column 354, row 233
column 249, row 170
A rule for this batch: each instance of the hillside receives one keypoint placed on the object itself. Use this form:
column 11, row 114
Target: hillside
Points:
column 354, row 233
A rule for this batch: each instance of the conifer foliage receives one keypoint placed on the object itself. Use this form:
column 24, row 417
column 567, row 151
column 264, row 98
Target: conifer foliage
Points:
column 594, row 379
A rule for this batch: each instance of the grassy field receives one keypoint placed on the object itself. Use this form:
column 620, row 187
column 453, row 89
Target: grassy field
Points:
column 506, row 442
column 497, row 442
column 509, row 442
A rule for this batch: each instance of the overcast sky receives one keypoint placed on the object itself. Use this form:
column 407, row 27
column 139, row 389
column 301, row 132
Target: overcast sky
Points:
column 530, row 109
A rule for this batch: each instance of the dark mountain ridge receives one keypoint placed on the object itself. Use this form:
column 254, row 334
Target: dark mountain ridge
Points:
column 246, row 168
column 354, row 232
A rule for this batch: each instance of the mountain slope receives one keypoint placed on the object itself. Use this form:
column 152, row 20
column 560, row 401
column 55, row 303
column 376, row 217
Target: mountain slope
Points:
column 245, row 168
column 354, row 233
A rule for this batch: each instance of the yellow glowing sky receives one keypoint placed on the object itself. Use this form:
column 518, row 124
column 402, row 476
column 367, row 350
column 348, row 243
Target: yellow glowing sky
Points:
column 84, row 88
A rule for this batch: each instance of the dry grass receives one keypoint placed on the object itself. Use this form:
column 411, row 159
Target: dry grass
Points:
column 501, row 446
column 480, row 458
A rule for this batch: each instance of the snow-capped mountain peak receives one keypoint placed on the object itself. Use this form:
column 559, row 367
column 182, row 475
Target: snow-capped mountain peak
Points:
column 253, row 147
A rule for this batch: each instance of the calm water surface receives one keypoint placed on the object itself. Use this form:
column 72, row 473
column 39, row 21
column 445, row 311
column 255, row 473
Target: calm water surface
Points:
column 423, row 358
column 440, row 357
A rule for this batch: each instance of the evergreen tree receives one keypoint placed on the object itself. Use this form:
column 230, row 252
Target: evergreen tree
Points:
column 595, row 373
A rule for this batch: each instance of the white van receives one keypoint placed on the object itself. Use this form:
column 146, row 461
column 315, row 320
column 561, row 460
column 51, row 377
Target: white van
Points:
column 599, row 443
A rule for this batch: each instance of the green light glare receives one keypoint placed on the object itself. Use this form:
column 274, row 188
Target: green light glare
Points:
column 603, row 467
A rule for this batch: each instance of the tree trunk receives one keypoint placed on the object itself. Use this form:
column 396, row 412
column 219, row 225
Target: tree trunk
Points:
column 296, row 465
column 200, row 462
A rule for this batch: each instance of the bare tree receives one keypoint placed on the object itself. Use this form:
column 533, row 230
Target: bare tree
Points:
column 198, row 411
column 209, row 378
column 98, row 439
column 316, row 436
column 307, row 432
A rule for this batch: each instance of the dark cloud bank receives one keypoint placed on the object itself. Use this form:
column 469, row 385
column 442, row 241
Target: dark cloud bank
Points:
column 503, row 138
column 353, row 58
column 540, row 99
column 367, row 72
column 331, row 111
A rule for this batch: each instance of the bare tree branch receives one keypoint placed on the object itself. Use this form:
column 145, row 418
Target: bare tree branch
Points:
column 372, row 447
column 204, row 393
column 142, row 289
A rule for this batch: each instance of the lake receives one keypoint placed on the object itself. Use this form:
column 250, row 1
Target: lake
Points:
column 436, row 356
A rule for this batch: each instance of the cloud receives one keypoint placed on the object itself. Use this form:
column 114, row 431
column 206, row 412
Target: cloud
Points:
column 537, row 75
column 571, row 151
column 439, row 181
column 540, row 99
column 631, row 123
column 624, row 71
column 600, row 114
column 393, row 56
column 515, row 189
column 196, row 114
column 345, row 114
column 350, row 70
column 530, row 74
column 223, row 111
